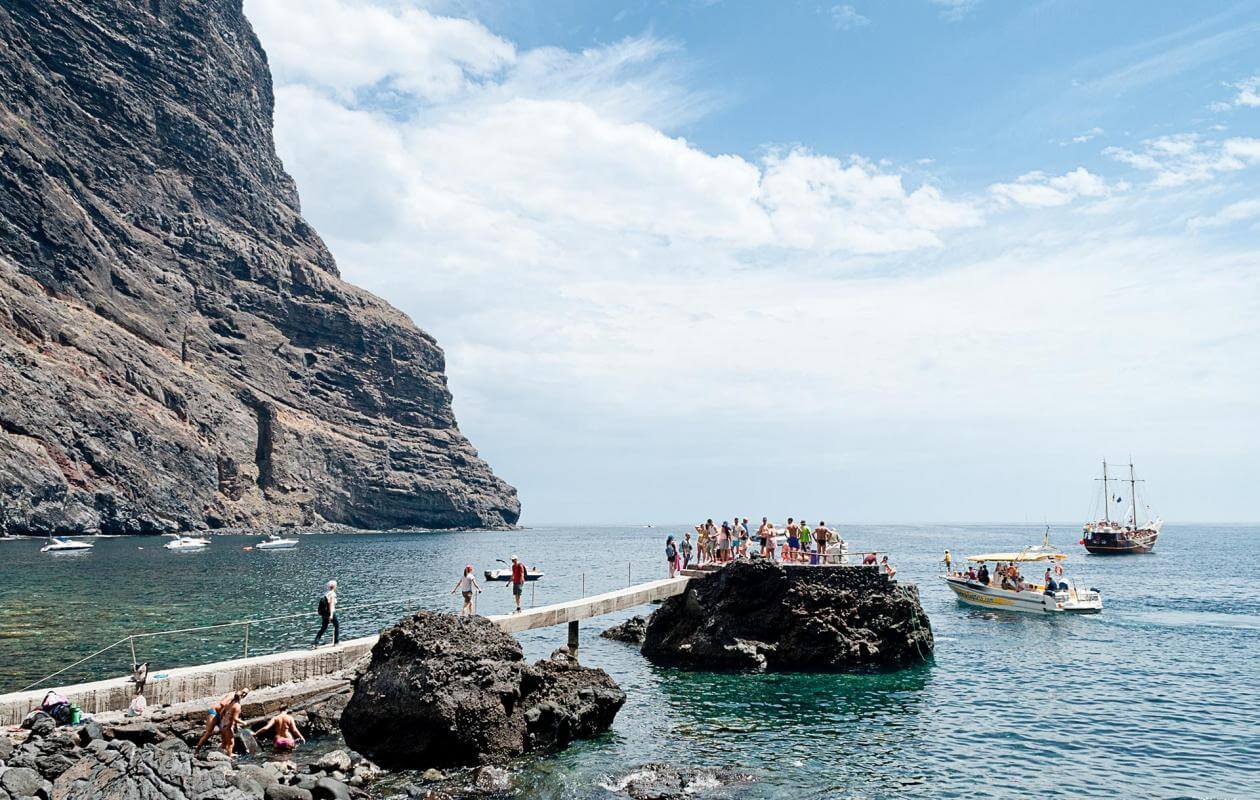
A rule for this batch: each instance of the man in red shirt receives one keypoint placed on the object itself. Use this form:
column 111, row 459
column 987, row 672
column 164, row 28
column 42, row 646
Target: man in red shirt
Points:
column 518, row 582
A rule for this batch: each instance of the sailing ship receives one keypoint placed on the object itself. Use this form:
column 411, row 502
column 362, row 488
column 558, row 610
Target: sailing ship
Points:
column 1121, row 533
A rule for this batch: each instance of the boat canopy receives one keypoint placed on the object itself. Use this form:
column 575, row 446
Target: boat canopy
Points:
column 1028, row 555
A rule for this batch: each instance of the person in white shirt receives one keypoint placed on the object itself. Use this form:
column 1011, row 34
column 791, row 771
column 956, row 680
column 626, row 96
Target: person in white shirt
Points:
column 466, row 585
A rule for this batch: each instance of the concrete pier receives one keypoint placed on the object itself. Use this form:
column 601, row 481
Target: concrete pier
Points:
column 187, row 684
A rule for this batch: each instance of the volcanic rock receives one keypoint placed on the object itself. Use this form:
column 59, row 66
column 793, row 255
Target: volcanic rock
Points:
column 177, row 348
column 633, row 630
column 670, row 782
column 450, row 691
column 773, row 617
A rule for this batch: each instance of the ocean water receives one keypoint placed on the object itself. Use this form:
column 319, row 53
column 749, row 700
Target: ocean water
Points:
column 1158, row 696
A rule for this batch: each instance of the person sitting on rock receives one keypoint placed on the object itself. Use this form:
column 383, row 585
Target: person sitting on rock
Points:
column 224, row 715
column 286, row 735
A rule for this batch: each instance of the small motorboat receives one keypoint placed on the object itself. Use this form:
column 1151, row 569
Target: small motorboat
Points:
column 505, row 574
column 61, row 544
column 1065, row 596
column 276, row 542
column 187, row 543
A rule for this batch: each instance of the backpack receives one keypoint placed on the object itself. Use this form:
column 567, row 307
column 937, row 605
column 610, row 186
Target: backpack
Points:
column 324, row 610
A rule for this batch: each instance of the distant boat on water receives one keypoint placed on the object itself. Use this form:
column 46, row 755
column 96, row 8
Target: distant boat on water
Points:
column 187, row 543
column 62, row 544
column 275, row 542
column 1122, row 533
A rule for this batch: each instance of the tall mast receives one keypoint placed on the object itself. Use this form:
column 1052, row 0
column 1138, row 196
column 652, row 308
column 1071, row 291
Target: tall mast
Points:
column 1106, row 495
column 1133, row 492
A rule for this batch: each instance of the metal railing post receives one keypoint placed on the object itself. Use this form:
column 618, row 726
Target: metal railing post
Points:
column 246, row 640
column 584, row 584
column 628, row 581
column 132, row 640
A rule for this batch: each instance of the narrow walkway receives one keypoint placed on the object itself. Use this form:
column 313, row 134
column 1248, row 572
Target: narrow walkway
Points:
column 185, row 684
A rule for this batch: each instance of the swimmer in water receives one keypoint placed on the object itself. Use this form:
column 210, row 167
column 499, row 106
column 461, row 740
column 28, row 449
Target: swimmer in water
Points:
column 286, row 734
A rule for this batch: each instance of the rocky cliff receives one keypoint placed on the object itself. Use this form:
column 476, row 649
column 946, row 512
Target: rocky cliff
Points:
column 796, row 618
column 177, row 349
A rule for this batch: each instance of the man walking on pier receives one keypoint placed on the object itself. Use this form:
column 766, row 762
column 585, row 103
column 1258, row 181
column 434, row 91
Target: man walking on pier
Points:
column 327, row 614
column 518, row 582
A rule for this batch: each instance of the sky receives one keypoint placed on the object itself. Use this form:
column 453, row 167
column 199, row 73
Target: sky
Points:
column 916, row 261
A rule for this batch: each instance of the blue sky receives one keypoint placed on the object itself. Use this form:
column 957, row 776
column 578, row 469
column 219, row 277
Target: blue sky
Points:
column 916, row 261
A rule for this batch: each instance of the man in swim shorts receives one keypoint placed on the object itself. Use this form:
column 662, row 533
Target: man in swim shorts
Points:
column 286, row 734
column 223, row 715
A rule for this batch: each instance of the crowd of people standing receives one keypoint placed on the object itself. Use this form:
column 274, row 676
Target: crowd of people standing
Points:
column 719, row 543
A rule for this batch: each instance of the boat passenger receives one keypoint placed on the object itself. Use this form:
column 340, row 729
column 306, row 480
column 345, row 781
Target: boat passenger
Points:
column 983, row 575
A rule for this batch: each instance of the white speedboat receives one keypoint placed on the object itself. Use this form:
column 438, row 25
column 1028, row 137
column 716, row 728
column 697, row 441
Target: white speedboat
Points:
column 502, row 575
column 275, row 542
column 61, row 544
column 997, row 590
column 187, row 543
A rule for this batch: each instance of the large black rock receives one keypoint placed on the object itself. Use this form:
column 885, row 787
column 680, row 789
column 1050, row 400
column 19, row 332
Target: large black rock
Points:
column 444, row 691
column 177, row 348
column 773, row 617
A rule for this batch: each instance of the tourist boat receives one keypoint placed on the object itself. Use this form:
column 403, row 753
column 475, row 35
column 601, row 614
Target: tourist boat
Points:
column 1033, row 598
column 275, row 542
column 187, row 543
column 1106, row 536
column 505, row 574
column 61, row 544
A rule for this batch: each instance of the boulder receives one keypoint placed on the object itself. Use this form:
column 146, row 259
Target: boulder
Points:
column 278, row 791
column 491, row 780
column 330, row 789
column 138, row 732
column 768, row 616
column 336, row 761
column 21, row 781
column 669, row 782
column 444, row 691
column 633, row 630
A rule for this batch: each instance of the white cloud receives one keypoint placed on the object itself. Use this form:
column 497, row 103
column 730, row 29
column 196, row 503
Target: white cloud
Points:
column 1247, row 95
column 955, row 10
column 847, row 18
column 1087, row 136
column 350, row 46
column 1241, row 211
column 1039, row 190
column 602, row 286
column 1185, row 158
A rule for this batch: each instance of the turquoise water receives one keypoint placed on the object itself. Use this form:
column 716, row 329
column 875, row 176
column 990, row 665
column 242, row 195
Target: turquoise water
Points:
column 1155, row 697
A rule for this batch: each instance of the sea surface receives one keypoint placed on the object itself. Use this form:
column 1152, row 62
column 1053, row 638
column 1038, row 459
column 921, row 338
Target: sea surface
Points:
column 1158, row 696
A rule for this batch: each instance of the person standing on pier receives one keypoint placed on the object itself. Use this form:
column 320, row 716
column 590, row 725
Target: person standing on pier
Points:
column 519, row 573
column 466, row 585
column 686, row 550
column 671, row 555
column 327, row 614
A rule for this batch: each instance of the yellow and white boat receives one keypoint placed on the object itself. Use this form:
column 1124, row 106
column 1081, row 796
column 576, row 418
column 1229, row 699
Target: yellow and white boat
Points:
column 994, row 590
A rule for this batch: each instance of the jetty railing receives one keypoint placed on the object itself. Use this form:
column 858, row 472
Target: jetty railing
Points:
column 642, row 568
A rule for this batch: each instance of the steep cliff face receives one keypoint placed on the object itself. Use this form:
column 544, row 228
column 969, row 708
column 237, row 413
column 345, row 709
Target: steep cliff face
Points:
column 177, row 349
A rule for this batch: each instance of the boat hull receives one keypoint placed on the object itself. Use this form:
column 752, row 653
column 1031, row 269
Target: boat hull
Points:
column 275, row 546
column 1120, row 544
column 1026, row 602
column 503, row 576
